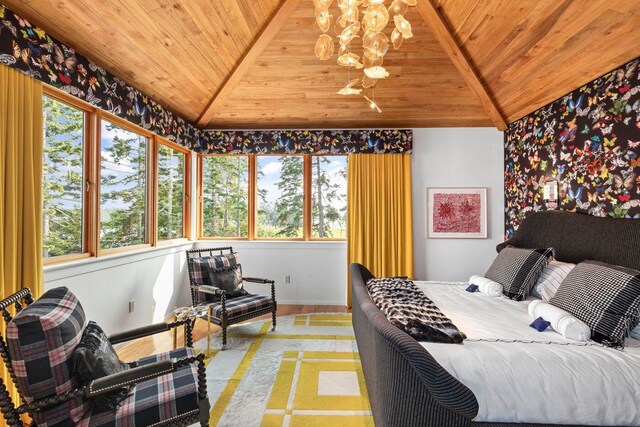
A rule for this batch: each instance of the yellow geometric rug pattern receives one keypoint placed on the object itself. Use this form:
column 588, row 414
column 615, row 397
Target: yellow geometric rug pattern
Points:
column 306, row 373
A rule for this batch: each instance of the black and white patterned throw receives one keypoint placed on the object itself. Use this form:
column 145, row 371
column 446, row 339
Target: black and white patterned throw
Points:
column 408, row 308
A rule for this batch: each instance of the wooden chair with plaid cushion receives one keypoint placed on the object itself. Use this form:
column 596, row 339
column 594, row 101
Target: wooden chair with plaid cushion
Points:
column 41, row 349
column 215, row 279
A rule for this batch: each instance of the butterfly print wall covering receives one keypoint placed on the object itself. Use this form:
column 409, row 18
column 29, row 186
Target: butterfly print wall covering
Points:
column 30, row 49
column 588, row 141
column 307, row 141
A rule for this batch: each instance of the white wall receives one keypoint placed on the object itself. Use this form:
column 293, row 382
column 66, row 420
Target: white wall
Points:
column 318, row 270
column 456, row 157
column 155, row 279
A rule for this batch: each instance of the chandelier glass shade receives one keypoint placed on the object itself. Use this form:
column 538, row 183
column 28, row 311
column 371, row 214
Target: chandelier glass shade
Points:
column 365, row 19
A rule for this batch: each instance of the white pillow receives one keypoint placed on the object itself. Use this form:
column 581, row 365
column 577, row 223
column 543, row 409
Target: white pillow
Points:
column 551, row 278
column 486, row 286
column 561, row 321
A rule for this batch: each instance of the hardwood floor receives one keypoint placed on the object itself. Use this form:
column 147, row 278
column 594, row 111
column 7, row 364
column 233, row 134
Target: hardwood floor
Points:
column 159, row 343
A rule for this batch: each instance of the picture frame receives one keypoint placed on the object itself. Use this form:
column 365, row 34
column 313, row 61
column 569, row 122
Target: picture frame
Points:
column 457, row 213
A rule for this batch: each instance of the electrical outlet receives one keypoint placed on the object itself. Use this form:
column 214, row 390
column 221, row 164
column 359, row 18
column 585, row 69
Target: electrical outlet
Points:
column 287, row 279
column 132, row 306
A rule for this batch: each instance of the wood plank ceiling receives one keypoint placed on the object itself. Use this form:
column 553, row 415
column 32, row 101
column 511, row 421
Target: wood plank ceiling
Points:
column 531, row 52
column 259, row 55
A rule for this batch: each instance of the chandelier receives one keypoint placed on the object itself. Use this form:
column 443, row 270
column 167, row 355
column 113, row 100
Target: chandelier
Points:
column 371, row 18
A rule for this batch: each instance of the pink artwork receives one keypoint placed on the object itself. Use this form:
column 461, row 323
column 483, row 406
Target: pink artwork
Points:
column 456, row 213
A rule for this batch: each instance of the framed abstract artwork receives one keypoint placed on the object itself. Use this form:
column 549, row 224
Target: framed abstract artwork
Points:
column 457, row 213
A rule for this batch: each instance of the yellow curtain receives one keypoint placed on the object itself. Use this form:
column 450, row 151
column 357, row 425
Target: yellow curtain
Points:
column 21, row 145
column 380, row 220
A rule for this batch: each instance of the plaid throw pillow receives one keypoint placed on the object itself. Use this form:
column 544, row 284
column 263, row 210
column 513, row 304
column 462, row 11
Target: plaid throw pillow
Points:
column 517, row 270
column 201, row 266
column 605, row 297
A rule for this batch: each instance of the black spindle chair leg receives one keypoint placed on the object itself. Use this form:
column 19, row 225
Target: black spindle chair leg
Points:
column 224, row 337
column 188, row 334
column 202, row 392
column 275, row 305
column 7, row 408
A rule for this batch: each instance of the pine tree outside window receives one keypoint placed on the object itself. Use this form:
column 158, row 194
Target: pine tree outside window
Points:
column 329, row 198
column 123, row 187
column 108, row 185
column 280, row 197
column 171, row 193
column 225, row 196
column 63, row 179
column 263, row 197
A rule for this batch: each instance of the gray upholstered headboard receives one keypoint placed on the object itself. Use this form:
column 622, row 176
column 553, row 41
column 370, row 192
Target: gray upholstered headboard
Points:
column 578, row 237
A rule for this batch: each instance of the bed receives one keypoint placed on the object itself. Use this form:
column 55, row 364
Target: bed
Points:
column 413, row 383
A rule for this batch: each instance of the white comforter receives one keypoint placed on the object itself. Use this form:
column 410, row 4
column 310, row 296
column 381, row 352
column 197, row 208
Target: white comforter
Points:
column 535, row 382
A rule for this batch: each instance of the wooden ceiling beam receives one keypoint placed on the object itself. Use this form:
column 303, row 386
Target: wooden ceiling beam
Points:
column 260, row 43
column 443, row 34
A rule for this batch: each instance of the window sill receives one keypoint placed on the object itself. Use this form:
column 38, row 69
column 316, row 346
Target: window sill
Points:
column 72, row 268
column 275, row 244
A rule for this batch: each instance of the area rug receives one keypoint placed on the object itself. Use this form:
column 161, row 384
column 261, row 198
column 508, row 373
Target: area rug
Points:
column 306, row 373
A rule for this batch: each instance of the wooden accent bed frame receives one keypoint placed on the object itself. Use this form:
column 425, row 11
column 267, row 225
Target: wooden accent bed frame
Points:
column 406, row 385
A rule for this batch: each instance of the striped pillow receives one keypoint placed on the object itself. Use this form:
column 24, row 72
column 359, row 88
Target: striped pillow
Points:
column 517, row 270
column 605, row 297
column 551, row 278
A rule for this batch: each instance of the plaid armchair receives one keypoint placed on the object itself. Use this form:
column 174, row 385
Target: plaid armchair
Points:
column 226, row 310
column 164, row 389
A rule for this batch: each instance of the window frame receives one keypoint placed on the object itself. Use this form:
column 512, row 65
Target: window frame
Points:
column 307, row 219
column 309, row 176
column 150, row 183
column 186, row 199
column 88, row 211
column 251, row 202
column 92, row 150
column 305, row 215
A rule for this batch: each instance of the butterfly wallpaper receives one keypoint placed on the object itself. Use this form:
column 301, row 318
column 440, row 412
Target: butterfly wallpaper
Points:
column 29, row 49
column 306, row 141
column 588, row 141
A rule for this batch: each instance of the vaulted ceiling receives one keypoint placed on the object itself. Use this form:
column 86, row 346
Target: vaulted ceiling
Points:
column 250, row 63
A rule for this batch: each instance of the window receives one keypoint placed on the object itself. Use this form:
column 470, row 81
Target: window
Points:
column 108, row 185
column 225, row 196
column 300, row 197
column 171, row 193
column 123, row 187
column 280, row 197
column 63, row 179
column 329, row 196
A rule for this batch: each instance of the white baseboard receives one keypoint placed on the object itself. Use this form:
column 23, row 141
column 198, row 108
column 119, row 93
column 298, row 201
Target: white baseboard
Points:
column 307, row 302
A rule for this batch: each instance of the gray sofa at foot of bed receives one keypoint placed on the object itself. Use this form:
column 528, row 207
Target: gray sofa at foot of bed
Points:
column 406, row 385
